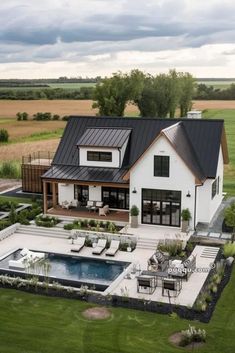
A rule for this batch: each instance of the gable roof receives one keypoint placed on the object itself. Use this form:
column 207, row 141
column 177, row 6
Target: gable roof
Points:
column 104, row 137
column 197, row 141
column 177, row 136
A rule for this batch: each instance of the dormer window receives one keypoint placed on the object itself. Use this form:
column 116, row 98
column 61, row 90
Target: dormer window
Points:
column 99, row 156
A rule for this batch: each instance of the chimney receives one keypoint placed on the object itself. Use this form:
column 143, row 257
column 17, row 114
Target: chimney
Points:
column 194, row 114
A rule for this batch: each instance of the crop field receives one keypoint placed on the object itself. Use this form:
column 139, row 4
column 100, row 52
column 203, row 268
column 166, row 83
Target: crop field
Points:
column 221, row 84
column 72, row 85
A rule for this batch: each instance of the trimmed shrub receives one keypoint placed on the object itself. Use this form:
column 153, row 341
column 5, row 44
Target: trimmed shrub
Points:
column 46, row 221
column 4, row 136
column 229, row 249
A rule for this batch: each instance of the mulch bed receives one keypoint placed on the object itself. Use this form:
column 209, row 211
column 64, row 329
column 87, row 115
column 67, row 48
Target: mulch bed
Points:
column 97, row 313
column 175, row 339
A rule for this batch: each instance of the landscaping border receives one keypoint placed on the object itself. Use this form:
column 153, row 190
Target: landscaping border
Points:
column 129, row 303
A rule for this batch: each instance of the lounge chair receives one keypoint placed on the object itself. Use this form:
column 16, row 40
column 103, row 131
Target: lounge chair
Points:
column 99, row 247
column 114, row 246
column 79, row 244
column 89, row 205
column 104, row 210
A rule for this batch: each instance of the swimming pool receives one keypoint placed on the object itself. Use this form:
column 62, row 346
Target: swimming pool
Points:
column 71, row 270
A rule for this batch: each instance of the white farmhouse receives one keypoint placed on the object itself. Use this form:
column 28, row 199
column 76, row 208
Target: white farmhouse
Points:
column 160, row 165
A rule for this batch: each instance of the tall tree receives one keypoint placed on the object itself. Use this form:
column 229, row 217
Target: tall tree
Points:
column 112, row 95
column 187, row 84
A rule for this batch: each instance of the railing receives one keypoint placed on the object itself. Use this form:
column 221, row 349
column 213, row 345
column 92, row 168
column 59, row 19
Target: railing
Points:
column 5, row 233
column 38, row 158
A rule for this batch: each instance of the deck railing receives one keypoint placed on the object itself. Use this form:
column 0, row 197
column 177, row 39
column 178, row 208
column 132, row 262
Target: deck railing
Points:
column 38, row 158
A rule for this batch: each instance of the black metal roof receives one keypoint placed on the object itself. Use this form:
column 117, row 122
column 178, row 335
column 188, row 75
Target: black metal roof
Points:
column 97, row 174
column 104, row 137
column 180, row 141
column 203, row 138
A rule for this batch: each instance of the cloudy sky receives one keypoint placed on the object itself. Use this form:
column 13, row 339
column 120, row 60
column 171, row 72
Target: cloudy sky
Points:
column 51, row 38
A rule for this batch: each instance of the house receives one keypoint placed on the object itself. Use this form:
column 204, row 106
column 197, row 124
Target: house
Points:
column 160, row 165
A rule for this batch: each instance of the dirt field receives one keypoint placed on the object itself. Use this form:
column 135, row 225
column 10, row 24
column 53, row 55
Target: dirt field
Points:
column 15, row 151
column 214, row 105
column 9, row 108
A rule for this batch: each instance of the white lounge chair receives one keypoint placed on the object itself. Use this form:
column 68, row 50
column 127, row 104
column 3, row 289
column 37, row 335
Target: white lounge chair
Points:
column 104, row 210
column 114, row 246
column 79, row 244
column 99, row 247
column 89, row 205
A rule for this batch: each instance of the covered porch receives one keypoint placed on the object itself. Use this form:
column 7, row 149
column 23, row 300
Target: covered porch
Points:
column 77, row 196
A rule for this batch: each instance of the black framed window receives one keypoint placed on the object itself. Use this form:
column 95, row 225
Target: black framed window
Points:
column 99, row 156
column 214, row 189
column 218, row 188
column 161, row 166
column 161, row 207
column 116, row 197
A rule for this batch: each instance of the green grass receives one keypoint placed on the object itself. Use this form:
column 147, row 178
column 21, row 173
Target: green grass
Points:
column 37, row 324
column 15, row 199
column 223, row 84
column 10, row 170
column 229, row 117
column 39, row 136
column 71, row 85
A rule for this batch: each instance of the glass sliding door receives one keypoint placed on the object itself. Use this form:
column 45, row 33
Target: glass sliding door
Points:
column 116, row 197
column 81, row 193
column 161, row 207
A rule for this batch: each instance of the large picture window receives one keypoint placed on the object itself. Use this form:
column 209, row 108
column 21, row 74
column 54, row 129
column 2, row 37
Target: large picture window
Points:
column 161, row 166
column 99, row 156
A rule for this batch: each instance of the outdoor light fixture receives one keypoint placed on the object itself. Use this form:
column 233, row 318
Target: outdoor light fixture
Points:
column 188, row 194
column 134, row 191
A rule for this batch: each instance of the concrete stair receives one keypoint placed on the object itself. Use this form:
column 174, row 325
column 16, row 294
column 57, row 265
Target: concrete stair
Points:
column 209, row 252
column 54, row 232
column 146, row 243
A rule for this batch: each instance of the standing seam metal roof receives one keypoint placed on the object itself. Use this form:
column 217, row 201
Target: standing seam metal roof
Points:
column 104, row 137
column 203, row 138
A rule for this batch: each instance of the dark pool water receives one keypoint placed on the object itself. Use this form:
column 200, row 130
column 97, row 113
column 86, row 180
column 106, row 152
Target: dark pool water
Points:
column 73, row 268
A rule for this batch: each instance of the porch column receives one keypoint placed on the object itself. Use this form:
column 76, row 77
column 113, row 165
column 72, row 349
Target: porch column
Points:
column 44, row 196
column 54, row 198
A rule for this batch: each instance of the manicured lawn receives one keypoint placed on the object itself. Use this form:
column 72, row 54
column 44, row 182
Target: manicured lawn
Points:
column 16, row 199
column 229, row 117
column 36, row 324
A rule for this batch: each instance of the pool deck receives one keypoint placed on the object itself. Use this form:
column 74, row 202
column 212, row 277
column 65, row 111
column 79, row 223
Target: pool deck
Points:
column 139, row 257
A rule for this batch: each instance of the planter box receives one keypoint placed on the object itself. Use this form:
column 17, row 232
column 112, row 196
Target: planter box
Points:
column 184, row 226
column 134, row 221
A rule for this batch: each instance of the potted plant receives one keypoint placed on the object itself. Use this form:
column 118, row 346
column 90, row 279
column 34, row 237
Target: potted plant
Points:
column 186, row 216
column 134, row 216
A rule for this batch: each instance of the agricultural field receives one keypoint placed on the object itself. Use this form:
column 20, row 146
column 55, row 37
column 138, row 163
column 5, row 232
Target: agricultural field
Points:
column 71, row 85
column 221, row 84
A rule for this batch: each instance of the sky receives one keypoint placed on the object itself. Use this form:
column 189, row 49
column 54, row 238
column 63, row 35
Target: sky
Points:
column 53, row 38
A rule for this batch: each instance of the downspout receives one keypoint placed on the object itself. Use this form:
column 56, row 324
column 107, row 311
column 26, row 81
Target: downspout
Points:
column 195, row 205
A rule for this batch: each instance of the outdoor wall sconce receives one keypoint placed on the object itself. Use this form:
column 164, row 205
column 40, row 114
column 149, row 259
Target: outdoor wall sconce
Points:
column 188, row 194
column 134, row 191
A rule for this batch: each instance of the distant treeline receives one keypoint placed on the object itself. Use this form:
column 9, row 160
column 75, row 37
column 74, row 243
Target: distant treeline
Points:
column 64, row 79
column 47, row 93
column 205, row 92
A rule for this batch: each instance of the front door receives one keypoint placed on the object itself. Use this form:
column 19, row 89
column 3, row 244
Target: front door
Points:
column 161, row 207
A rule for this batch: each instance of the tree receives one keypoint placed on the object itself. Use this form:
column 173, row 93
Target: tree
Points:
column 229, row 216
column 112, row 95
column 186, row 86
column 146, row 101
